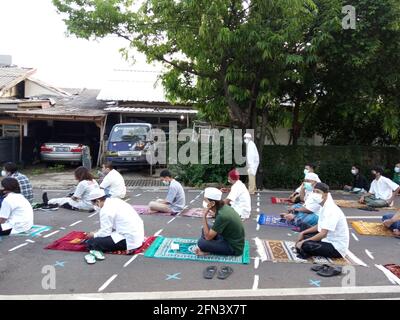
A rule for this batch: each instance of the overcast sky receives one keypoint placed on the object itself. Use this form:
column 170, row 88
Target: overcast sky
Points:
column 34, row 34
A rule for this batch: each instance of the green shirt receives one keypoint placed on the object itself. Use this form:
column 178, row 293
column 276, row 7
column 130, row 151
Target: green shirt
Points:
column 229, row 225
column 396, row 178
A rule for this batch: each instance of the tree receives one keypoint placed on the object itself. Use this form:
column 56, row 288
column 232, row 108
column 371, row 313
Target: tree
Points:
column 227, row 57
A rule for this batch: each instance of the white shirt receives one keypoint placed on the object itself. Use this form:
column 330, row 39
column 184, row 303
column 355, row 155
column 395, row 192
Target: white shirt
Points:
column 332, row 218
column 240, row 199
column 115, row 184
column 18, row 212
column 312, row 205
column 252, row 157
column 82, row 191
column 119, row 220
column 383, row 188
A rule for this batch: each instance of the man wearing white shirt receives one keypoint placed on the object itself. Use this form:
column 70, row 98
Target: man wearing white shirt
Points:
column 113, row 182
column 121, row 228
column 252, row 161
column 330, row 237
column 382, row 191
column 239, row 197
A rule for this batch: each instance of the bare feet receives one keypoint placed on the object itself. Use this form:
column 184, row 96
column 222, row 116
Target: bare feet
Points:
column 289, row 217
column 200, row 253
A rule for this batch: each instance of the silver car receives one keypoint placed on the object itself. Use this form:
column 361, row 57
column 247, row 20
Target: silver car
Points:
column 61, row 152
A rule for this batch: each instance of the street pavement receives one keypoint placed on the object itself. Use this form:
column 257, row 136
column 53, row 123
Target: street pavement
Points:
column 136, row 277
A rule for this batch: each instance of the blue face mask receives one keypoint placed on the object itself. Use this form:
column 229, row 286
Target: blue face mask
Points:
column 308, row 186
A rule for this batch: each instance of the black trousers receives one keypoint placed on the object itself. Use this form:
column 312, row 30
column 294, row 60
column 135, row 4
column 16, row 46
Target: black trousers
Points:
column 318, row 248
column 105, row 244
column 4, row 232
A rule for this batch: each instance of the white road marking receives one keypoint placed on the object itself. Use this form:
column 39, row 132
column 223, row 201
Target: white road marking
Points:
column 369, row 254
column 364, row 217
column 391, row 277
column 208, row 294
column 17, row 247
column 171, row 220
column 30, row 241
column 354, row 236
column 289, row 234
column 192, row 201
column 158, row 232
column 50, row 234
column 256, row 262
column 92, row 215
column 255, row 283
column 62, row 228
column 258, row 210
column 75, row 223
column 107, row 283
column 126, row 200
column 258, row 227
column 130, row 260
column 138, row 195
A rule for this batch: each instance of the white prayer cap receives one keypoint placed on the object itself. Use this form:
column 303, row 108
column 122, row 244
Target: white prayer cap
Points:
column 213, row 194
column 247, row 135
column 96, row 194
column 312, row 176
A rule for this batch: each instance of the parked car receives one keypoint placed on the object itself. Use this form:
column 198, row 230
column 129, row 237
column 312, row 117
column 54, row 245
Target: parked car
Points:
column 61, row 152
column 129, row 144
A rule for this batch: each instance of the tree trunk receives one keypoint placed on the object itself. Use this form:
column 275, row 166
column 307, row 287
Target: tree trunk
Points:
column 296, row 125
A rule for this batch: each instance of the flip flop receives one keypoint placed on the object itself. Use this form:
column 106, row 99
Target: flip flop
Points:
column 367, row 209
column 318, row 267
column 97, row 254
column 209, row 272
column 90, row 259
column 224, row 272
column 329, row 271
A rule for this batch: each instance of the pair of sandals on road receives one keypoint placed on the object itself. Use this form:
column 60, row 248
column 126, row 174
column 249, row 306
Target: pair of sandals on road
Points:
column 325, row 270
column 93, row 256
column 223, row 272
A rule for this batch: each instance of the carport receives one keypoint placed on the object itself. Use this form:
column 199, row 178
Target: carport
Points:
column 62, row 114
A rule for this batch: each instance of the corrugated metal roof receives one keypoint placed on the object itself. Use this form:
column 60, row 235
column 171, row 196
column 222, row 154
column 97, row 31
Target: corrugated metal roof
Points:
column 11, row 76
column 151, row 110
column 133, row 85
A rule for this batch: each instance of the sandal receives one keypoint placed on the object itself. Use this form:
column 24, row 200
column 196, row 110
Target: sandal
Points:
column 97, row 254
column 209, row 272
column 329, row 271
column 224, row 272
column 318, row 267
column 90, row 259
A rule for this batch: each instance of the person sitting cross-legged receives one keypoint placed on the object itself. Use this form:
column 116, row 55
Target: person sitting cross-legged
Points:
column 392, row 222
column 239, row 197
column 382, row 191
column 113, row 182
column 330, row 237
column 226, row 236
column 360, row 183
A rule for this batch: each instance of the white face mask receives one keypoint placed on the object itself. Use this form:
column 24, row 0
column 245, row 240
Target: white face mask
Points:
column 306, row 171
column 205, row 204
column 317, row 198
column 4, row 173
column 397, row 169
column 354, row 172
column 246, row 141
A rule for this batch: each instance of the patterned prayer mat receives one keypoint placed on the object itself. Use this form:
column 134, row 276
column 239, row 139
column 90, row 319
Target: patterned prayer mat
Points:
column 74, row 241
column 393, row 268
column 273, row 221
column 161, row 248
column 356, row 205
column 194, row 212
column 144, row 210
column 371, row 228
column 285, row 251
column 275, row 200
column 35, row 231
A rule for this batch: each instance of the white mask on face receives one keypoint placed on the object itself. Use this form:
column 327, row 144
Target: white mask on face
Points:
column 205, row 204
column 4, row 173
column 354, row 172
column 317, row 198
column 397, row 169
column 246, row 141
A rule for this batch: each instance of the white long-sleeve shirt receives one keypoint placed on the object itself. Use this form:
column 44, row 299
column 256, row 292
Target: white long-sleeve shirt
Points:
column 252, row 157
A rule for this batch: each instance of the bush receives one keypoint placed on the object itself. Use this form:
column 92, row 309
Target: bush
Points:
column 283, row 165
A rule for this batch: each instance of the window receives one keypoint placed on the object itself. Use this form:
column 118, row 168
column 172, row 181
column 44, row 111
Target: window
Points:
column 7, row 130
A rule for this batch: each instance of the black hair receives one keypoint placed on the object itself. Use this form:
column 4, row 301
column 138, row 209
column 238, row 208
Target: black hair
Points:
column 82, row 173
column 357, row 166
column 378, row 169
column 10, row 167
column 311, row 165
column 322, row 186
column 11, row 185
column 108, row 165
column 165, row 173
column 101, row 199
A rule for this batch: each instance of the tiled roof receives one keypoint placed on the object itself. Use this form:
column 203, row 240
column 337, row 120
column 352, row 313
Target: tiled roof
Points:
column 11, row 76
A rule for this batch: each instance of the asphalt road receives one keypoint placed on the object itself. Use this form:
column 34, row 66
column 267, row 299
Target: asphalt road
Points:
column 125, row 277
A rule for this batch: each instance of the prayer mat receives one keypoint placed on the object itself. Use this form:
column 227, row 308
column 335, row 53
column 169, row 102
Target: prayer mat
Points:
column 356, row 205
column 145, row 210
column 35, row 231
column 371, row 228
column 74, row 241
column 184, row 249
column 194, row 212
column 275, row 200
column 285, row 251
column 393, row 268
column 273, row 221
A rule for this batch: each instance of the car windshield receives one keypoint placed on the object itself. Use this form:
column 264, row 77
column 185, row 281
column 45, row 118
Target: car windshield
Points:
column 131, row 134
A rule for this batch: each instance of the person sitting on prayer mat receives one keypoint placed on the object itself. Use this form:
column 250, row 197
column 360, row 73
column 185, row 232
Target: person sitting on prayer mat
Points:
column 392, row 222
column 295, row 196
column 330, row 237
column 226, row 236
column 239, row 197
column 360, row 183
